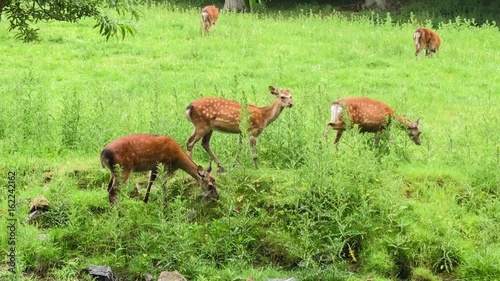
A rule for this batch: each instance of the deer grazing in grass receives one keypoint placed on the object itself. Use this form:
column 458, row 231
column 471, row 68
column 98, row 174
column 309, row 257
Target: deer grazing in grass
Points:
column 371, row 116
column 142, row 152
column 209, row 114
column 209, row 16
column 426, row 38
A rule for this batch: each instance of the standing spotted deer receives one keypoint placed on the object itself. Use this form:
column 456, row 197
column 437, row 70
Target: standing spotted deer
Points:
column 426, row 38
column 209, row 16
column 371, row 116
column 209, row 114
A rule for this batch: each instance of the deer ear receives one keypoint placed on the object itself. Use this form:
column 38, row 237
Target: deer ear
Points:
column 418, row 121
column 201, row 172
column 273, row 90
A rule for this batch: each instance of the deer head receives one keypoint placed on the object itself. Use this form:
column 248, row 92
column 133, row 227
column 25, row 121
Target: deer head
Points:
column 283, row 95
column 207, row 182
column 412, row 128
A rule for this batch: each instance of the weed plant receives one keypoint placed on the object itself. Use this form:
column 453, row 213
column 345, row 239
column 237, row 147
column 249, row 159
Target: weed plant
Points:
column 313, row 210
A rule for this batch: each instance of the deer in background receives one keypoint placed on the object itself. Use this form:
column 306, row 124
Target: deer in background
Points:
column 209, row 114
column 426, row 38
column 142, row 152
column 209, row 16
column 371, row 116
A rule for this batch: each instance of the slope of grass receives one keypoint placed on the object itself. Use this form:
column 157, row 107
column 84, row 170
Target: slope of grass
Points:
column 312, row 211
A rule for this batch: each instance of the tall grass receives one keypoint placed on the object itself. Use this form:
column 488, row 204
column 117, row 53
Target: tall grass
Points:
column 313, row 210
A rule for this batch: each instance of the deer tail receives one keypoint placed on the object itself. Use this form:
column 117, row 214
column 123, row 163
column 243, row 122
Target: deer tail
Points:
column 336, row 110
column 204, row 16
column 107, row 158
column 189, row 108
column 416, row 37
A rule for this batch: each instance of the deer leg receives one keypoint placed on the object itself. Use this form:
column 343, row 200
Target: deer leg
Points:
column 338, row 136
column 152, row 176
column 111, row 189
column 192, row 140
column 419, row 49
column 113, row 184
column 378, row 134
column 337, row 125
column 430, row 51
column 125, row 175
column 205, row 142
column 207, row 28
column 253, row 144
column 203, row 26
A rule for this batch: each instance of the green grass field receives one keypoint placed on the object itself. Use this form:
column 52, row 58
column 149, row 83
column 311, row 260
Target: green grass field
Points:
column 312, row 211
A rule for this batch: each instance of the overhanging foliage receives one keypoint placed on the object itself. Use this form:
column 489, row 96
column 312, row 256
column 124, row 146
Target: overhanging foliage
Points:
column 23, row 13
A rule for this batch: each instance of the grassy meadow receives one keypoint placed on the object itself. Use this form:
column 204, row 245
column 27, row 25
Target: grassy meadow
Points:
column 312, row 211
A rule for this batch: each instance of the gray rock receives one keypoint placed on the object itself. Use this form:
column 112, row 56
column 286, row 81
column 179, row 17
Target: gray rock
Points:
column 41, row 203
column 37, row 207
column 102, row 273
column 171, row 276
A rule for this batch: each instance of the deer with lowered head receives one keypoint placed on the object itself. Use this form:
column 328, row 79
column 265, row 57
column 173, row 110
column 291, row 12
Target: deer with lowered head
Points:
column 209, row 16
column 371, row 116
column 218, row 114
column 424, row 38
column 143, row 152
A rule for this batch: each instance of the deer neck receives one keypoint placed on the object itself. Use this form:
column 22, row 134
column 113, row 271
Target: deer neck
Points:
column 403, row 122
column 188, row 166
column 272, row 111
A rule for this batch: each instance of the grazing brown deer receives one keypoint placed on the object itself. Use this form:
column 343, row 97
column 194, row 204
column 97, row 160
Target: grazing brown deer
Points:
column 371, row 116
column 209, row 16
column 209, row 114
column 426, row 38
column 142, row 152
